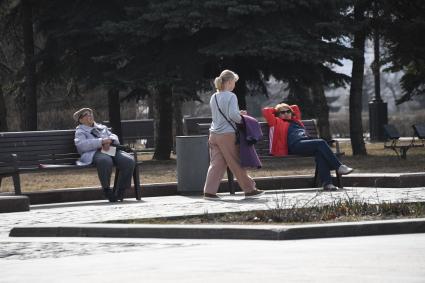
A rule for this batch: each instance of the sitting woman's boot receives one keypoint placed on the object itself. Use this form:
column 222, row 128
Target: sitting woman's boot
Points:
column 116, row 195
column 107, row 192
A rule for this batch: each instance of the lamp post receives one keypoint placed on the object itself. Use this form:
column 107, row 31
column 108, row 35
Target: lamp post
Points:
column 378, row 112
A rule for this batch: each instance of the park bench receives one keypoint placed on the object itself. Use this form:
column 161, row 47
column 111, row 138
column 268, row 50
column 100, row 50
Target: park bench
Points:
column 135, row 131
column 262, row 148
column 393, row 139
column 44, row 151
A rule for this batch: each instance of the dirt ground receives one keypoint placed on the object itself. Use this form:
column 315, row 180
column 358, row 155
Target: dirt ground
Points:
column 379, row 160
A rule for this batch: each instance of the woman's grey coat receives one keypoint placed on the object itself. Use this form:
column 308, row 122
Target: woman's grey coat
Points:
column 89, row 139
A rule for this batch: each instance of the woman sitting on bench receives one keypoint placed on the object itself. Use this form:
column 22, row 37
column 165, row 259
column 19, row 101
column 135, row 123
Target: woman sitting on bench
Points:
column 94, row 142
column 288, row 136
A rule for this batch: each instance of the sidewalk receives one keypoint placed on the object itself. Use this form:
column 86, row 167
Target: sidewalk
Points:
column 393, row 258
column 101, row 211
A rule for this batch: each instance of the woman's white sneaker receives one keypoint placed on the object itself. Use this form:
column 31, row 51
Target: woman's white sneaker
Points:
column 254, row 193
column 344, row 170
column 330, row 188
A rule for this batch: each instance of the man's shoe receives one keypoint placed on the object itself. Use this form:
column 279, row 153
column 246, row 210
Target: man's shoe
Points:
column 208, row 196
column 344, row 170
column 330, row 188
column 254, row 193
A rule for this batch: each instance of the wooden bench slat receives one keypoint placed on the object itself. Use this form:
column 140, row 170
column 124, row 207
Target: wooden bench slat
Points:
column 262, row 146
column 35, row 134
column 54, row 148
column 35, row 148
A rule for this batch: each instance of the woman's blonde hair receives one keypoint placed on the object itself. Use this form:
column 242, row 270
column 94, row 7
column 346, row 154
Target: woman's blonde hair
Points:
column 283, row 106
column 225, row 76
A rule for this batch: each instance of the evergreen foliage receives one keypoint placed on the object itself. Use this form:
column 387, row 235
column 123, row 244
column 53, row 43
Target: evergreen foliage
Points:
column 403, row 25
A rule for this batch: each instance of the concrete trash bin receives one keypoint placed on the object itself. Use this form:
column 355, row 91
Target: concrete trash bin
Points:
column 192, row 163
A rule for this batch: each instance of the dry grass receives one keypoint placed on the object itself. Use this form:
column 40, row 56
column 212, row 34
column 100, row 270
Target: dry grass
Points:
column 378, row 161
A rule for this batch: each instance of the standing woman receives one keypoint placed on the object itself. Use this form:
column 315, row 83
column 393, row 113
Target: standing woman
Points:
column 222, row 141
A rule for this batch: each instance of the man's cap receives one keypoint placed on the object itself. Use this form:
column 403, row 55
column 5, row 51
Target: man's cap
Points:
column 77, row 115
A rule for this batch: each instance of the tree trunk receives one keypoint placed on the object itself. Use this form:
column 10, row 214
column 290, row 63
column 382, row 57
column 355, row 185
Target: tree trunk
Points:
column 177, row 119
column 321, row 110
column 163, row 122
column 151, row 106
column 377, row 55
column 303, row 97
column 29, row 113
column 3, row 113
column 356, row 89
column 240, row 91
column 114, row 108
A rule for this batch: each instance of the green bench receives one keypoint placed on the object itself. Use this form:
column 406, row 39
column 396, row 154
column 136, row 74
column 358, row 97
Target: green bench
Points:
column 45, row 151
column 393, row 142
column 262, row 148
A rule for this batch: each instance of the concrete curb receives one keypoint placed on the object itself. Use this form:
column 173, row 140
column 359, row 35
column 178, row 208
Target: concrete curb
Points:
column 241, row 232
column 393, row 180
column 12, row 203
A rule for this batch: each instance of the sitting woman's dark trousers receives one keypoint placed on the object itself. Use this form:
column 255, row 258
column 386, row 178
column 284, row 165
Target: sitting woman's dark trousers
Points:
column 104, row 164
column 299, row 143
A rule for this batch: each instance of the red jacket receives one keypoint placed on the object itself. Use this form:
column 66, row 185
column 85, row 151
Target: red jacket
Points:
column 278, row 130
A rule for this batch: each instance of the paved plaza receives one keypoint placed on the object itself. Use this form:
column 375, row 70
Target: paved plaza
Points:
column 394, row 258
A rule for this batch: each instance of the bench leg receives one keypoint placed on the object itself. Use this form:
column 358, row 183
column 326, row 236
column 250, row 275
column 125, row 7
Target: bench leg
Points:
column 230, row 181
column 136, row 179
column 17, row 183
column 117, row 172
column 338, row 180
column 403, row 152
column 316, row 175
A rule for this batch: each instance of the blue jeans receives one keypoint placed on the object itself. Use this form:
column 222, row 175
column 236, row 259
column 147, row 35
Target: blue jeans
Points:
column 325, row 158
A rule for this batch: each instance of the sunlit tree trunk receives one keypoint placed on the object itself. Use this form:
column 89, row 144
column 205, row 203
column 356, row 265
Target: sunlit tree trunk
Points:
column 321, row 110
column 177, row 118
column 163, row 113
column 356, row 89
column 29, row 113
column 3, row 113
column 115, row 112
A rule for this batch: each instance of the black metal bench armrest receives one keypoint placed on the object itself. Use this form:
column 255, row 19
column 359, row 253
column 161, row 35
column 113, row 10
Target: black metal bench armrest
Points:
column 124, row 148
column 11, row 159
column 337, row 148
column 129, row 150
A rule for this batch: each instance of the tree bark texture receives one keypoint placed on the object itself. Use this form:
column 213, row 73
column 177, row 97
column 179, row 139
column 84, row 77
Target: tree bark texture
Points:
column 303, row 97
column 3, row 113
column 163, row 108
column 29, row 113
column 240, row 91
column 377, row 56
column 321, row 110
column 177, row 119
column 114, row 111
column 356, row 89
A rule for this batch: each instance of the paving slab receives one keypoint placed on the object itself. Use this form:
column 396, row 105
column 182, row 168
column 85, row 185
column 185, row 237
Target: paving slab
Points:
column 101, row 211
column 395, row 258
column 375, row 180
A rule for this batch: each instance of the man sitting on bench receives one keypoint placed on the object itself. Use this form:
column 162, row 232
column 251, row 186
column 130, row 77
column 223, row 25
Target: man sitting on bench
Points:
column 96, row 144
column 288, row 136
